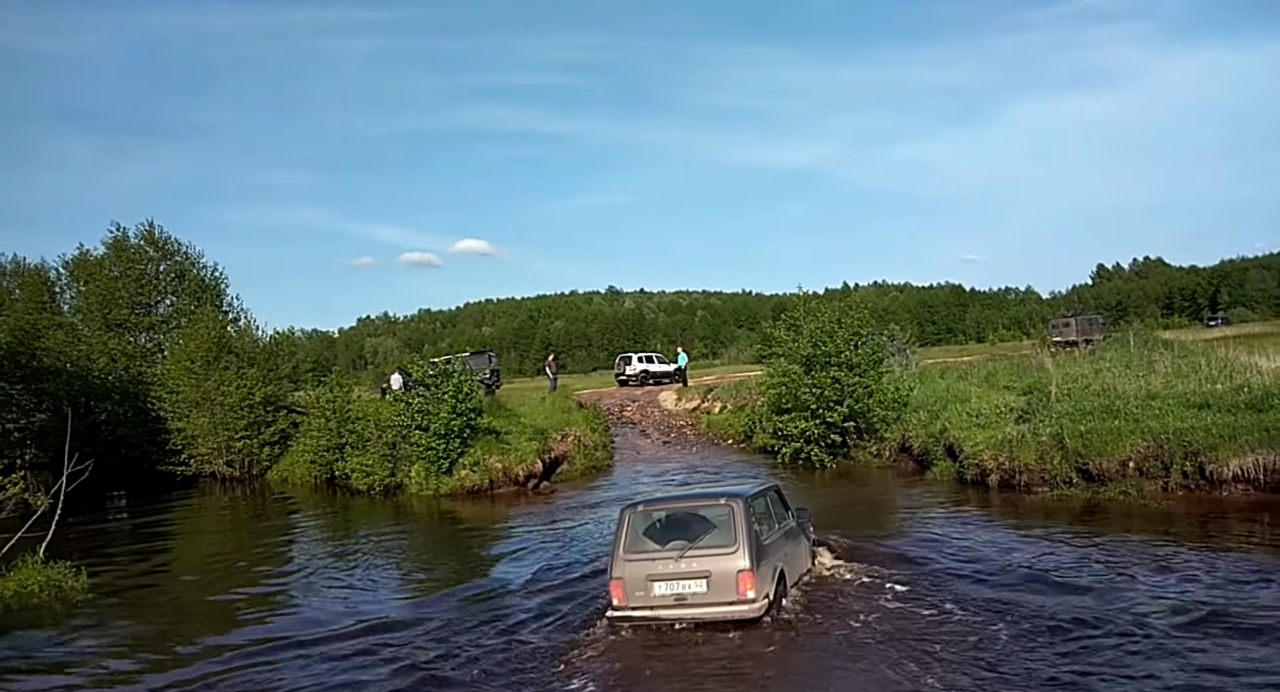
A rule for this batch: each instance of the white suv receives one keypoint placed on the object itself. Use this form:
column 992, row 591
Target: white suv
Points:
column 643, row 369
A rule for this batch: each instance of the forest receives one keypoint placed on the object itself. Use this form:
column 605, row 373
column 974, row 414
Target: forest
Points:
column 586, row 329
column 141, row 344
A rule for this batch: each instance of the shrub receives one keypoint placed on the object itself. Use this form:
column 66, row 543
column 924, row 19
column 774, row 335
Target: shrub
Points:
column 33, row 580
column 831, row 384
column 439, row 417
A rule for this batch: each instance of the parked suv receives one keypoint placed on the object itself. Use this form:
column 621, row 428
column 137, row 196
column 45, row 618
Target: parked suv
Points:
column 728, row 553
column 643, row 369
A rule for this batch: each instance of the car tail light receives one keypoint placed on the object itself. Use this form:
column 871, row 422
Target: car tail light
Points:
column 617, row 593
column 746, row 585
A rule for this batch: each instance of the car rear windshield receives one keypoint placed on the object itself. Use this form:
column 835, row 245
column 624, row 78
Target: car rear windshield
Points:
column 673, row 528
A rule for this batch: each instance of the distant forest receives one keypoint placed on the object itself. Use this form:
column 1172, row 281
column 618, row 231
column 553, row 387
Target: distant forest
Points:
column 587, row 329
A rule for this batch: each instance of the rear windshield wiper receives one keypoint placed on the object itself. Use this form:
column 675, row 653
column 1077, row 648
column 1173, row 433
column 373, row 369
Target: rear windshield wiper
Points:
column 696, row 541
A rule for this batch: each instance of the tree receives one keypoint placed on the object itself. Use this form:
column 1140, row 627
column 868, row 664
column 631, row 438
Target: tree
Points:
column 225, row 398
column 832, row 384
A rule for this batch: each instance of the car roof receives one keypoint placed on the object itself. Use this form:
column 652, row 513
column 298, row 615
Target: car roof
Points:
column 713, row 493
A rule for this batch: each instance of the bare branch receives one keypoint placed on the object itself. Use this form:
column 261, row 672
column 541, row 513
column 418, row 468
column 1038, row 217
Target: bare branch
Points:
column 62, row 495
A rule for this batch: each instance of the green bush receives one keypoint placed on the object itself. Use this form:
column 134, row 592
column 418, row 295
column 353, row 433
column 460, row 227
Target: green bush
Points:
column 438, row 418
column 32, row 580
column 832, row 384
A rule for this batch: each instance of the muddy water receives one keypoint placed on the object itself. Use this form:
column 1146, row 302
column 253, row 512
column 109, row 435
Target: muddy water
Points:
column 949, row 590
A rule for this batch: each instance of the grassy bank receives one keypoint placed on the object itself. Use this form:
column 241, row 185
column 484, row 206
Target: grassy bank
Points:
column 34, row 581
column 1177, row 414
column 443, row 437
column 530, row 438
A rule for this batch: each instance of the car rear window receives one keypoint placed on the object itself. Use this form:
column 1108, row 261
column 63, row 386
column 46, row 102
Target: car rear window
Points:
column 673, row 528
column 624, row 360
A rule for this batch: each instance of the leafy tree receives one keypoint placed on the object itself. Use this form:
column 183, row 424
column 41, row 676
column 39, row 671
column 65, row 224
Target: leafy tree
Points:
column 832, row 384
column 225, row 398
column 438, row 417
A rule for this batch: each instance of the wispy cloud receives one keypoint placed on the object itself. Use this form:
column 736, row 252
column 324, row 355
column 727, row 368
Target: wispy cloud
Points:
column 474, row 246
column 313, row 217
column 363, row 262
column 418, row 258
column 971, row 259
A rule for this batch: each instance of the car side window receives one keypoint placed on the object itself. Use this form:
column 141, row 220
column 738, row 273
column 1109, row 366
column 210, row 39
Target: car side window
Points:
column 661, row 360
column 781, row 511
column 762, row 516
column 647, row 360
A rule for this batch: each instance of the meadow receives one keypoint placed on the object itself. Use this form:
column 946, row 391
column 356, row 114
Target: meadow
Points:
column 1190, row 409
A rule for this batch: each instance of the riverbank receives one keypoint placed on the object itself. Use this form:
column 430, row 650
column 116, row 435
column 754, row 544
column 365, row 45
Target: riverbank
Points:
column 1139, row 413
column 444, row 438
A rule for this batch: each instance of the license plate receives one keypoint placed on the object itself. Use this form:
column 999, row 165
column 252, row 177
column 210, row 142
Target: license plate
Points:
column 671, row 588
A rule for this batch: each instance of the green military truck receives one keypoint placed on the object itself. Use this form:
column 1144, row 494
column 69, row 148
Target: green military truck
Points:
column 1076, row 331
column 484, row 364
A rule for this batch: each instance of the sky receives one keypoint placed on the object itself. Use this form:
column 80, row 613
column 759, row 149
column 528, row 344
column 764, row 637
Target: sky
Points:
column 340, row 159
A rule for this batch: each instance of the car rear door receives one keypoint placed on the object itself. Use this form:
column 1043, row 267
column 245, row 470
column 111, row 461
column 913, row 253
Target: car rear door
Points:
column 771, row 544
column 798, row 551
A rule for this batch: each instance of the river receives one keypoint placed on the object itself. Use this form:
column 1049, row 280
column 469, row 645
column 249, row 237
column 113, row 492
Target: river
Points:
column 950, row 589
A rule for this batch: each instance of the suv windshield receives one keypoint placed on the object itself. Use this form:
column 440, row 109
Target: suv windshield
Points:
column 673, row 528
column 478, row 361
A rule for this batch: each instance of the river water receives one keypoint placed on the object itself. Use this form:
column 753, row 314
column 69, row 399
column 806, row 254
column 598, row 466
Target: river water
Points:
column 949, row 589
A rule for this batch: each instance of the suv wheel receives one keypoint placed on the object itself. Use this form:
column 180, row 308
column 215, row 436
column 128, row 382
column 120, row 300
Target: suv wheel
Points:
column 644, row 379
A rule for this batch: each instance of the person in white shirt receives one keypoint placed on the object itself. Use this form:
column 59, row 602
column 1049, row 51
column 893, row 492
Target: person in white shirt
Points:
column 397, row 381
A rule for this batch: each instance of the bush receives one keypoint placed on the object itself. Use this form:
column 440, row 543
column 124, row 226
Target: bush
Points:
column 438, row 418
column 32, row 580
column 831, row 385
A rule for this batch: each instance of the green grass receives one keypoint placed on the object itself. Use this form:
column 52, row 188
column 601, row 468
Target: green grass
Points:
column 602, row 379
column 1162, row 411
column 1134, row 414
column 971, row 351
column 34, row 581
column 533, row 435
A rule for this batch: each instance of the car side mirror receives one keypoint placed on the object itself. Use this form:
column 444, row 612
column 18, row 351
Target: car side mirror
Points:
column 803, row 516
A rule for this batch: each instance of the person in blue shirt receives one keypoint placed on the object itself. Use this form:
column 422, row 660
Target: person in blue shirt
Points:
column 682, row 366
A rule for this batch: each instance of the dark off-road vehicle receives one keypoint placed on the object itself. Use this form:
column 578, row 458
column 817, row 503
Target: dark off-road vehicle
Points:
column 483, row 363
column 1076, row 331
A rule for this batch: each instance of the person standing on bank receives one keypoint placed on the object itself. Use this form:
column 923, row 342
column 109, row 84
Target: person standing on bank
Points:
column 552, row 372
column 682, row 364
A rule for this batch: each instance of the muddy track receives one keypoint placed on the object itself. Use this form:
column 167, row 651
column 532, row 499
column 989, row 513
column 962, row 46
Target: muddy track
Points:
column 654, row 413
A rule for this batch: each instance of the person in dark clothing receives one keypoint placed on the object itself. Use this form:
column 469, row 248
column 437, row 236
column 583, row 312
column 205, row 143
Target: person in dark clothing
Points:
column 553, row 372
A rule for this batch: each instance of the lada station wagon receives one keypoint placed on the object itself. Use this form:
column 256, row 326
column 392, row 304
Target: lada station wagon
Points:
column 707, row 554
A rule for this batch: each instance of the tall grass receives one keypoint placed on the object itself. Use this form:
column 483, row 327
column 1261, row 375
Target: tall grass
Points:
column 1140, row 407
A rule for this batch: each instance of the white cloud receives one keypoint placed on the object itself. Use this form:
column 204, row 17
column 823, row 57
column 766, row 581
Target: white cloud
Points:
column 474, row 246
column 971, row 259
column 418, row 258
column 363, row 262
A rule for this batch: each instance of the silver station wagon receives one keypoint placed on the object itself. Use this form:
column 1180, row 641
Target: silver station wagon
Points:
column 724, row 553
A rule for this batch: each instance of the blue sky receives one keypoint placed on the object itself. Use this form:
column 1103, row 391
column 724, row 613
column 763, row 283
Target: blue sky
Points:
column 331, row 155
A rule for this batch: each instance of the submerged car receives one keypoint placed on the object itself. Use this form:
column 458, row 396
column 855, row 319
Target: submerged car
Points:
column 707, row 554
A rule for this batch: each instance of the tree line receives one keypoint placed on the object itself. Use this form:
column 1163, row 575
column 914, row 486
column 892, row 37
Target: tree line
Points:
column 163, row 371
column 587, row 329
